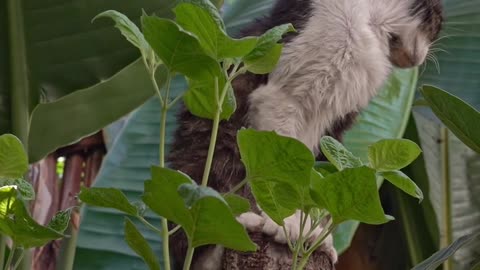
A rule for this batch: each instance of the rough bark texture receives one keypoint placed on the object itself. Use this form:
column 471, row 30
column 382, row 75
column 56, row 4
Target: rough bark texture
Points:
column 270, row 256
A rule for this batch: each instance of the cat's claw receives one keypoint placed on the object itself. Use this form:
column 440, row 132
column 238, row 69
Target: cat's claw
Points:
column 292, row 228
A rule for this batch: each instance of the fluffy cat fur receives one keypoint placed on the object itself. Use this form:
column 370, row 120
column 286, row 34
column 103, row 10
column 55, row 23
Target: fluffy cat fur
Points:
column 329, row 70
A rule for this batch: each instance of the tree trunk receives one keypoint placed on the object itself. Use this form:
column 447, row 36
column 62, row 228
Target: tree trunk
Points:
column 271, row 256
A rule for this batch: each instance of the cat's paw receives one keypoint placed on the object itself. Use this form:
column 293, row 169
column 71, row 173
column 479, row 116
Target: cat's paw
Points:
column 329, row 249
column 292, row 228
column 251, row 221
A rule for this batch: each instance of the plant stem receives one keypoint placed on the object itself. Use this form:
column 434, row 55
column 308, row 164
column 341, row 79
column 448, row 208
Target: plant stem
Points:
column 68, row 248
column 163, row 125
column 174, row 230
column 10, row 257
column 447, row 239
column 188, row 259
column 213, row 136
column 328, row 230
column 3, row 245
column 149, row 225
column 299, row 244
column 19, row 260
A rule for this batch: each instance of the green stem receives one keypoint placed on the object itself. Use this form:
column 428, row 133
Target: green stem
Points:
column 238, row 187
column 299, row 244
column 150, row 226
column 68, row 249
column 10, row 257
column 446, row 239
column 213, row 136
column 3, row 245
column 19, row 260
column 188, row 259
column 328, row 230
column 174, row 230
column 163, row 124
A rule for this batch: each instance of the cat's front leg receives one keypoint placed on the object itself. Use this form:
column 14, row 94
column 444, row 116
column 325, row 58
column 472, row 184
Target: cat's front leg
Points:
column 292, row 228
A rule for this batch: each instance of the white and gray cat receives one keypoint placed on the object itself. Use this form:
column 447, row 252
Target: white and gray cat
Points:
column 329, row 70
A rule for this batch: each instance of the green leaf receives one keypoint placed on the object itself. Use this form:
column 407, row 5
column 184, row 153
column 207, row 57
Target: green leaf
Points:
column 107, row 197
column 139, row 244
column 201, row 101
column 325, row 168
column 210, row 33
column 179, row 50
column 25, row 189
column 60, row 221
column 192, row 193
column 456, row 114
column 270, row 160
column 203, row 213
column 162, row 197
column 350, row 195
column 17, row 223
column 267, row 52
column 391, row 155
column 338, row 155
column 266, row 63
column 213, row 221
column 238, row 204
column 441, row 256
column 86, row 108
column 278, row 200
column 128, row 29
column 271, row 157
column 268, row 41
column 13, row 160
column 403, row 182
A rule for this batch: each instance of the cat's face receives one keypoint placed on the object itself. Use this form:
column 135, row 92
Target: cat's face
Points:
column 409, row 43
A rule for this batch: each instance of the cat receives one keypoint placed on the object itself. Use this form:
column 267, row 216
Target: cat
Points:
column 329, row 70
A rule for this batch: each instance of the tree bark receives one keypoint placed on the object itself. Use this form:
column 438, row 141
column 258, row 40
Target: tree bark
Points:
column 271, row 256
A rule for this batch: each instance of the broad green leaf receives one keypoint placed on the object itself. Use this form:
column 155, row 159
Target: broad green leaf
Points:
column 278, row 200
column 350, row 195
column 268, row 41
column 212, row 37
column 179, row 50
column 325, row 168
column 16, row 222
column 107, row 197
column 212, row 7
column 24, row 188
column 60, row 221
column 392, row 154
column 238, row 204
column 121, row 94
column 192, row 193
column 13, row 160
column 338, row 155
column 456, row 114
column 271, row 157
column 266, row 54
column 128, row 29
column 213, row 221
column 403, row 182
column 441, row 256
column 139, row 244
column 162, row 197
column 266, row 63
column 200, row 99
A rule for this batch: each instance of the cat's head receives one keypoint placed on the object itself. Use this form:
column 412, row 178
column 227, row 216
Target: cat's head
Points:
column 411, row 36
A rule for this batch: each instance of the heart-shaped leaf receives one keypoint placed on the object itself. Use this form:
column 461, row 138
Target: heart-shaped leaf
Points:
column 107, row 197
column 350, row 195
column 391, row 155
column 403, row 182
column 338, row 155
column 13, row 160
